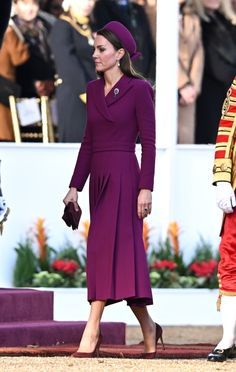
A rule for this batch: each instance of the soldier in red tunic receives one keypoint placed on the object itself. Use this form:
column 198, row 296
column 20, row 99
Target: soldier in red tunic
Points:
column 224, row 177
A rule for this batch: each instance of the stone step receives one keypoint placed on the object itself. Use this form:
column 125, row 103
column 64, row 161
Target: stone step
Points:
column 25, row 305
column 44, row 333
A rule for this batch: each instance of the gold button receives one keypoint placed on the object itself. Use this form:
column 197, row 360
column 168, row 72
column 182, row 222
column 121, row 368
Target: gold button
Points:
column 225, row 106
column 224, row 167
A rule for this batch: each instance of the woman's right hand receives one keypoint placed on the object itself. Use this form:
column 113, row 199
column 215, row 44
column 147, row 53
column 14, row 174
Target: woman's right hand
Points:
column 72, row 196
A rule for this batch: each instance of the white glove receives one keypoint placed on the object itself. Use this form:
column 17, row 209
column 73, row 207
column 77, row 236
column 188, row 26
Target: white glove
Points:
column 225, row 197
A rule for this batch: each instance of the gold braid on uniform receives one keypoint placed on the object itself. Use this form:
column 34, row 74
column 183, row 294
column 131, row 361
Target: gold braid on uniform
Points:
column 225, row 149
column 225, row 155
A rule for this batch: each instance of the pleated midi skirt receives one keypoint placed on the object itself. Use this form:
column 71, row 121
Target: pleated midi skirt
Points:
column 116, row 259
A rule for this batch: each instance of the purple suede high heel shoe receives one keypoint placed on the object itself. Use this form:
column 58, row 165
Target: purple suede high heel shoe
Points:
column 153, row 355
column 93, row 354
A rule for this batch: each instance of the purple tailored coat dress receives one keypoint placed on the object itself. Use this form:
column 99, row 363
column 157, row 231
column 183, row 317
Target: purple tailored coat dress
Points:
column 116, row 259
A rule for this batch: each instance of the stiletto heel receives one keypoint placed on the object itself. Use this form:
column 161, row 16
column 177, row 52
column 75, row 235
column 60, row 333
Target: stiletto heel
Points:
column 159, row 332
column 93, row 354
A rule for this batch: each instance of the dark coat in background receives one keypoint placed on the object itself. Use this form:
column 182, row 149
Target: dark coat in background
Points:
column 133, row 16
column 5, row 11
column 40, row 65
column 219, row 41
column 75, row 68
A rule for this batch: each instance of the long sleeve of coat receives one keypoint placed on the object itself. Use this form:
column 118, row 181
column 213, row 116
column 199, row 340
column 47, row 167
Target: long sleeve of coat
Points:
column 146, row 121
column 68, row 65
column 198, row 62
column 17, row 50
column 191, row 56
column 83, row 163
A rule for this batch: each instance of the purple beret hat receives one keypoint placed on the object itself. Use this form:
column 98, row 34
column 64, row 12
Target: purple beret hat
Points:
column 125, row 37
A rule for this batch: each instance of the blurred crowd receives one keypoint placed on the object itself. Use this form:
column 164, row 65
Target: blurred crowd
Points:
column 47, row 51
column 207, row 66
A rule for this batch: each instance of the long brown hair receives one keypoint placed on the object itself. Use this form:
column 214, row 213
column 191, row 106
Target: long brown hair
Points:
column 126, row 65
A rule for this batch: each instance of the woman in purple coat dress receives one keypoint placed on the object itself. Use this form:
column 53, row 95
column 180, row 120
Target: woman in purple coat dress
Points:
column 119, row 109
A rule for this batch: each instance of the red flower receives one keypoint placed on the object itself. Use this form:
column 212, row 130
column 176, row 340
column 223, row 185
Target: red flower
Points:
column 164, row 264
column 204, row 268
column 58, row 265
column 68, row 267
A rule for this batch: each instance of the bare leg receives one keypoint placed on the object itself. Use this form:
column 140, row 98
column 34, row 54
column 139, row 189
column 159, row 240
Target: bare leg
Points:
column 148, row 327
column 92, row 329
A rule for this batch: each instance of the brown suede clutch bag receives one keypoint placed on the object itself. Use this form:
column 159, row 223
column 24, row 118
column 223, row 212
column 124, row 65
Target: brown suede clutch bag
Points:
column 71, row 216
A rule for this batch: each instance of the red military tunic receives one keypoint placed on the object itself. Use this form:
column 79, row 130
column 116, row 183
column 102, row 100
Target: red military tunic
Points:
column 225, row 170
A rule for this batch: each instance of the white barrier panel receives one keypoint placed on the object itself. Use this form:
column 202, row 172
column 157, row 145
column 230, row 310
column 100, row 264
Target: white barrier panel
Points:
column 35, row 179
column 171, row 307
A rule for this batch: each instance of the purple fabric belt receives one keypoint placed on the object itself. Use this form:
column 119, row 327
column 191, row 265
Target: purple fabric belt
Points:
column 113, row 147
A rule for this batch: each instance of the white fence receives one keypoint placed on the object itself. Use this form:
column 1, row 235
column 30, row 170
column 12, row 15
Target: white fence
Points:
column 171, row 307
column 36, row 177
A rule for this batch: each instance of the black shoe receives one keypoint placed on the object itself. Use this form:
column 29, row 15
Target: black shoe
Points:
column 232, row 353
column 220, row 355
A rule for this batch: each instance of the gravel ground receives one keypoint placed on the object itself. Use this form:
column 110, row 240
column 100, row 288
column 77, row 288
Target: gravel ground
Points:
column 178, row 335
column 64, row 364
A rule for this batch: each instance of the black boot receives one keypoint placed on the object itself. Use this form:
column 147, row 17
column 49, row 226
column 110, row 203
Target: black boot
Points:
column 221, row 355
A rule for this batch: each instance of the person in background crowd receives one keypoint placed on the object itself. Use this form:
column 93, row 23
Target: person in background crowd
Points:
column 13, row 53
column 218, row 22
column 72, row 45
column 53, row 7
column 191, row 59
column 150, row 7
column 224, row 177
column 134, row 17
column 5, row 11
column 36, row 76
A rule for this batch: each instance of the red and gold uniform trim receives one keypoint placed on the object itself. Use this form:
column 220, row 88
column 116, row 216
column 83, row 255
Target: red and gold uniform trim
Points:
column 225, row 149
column 222, row 293
column 224, row 169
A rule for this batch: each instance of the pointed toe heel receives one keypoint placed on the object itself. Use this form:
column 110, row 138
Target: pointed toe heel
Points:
column 149, row 355
column 93, row 354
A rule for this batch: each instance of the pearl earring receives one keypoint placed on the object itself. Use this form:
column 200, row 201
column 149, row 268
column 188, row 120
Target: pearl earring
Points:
column 118, row 63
